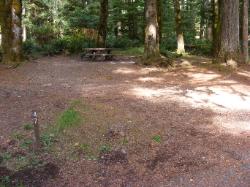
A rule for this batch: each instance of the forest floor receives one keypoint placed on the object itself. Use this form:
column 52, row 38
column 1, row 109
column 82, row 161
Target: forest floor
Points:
column 125, row 124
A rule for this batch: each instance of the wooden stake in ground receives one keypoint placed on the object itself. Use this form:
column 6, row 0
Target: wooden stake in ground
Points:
column 37, row 144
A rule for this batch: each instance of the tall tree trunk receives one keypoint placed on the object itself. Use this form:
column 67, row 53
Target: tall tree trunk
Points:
column 118, row 31
column 245, row 30
column 159, row 18
column 178, row 27
column 11, row 25
column 215, row 27
column 132, row 20
column 151, row 48
column 209, row 31
column 103, row 24
column 229, row 44
column 202, row 21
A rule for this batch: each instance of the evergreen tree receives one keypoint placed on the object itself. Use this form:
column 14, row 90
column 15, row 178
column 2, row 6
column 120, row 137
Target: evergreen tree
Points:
column 151, row 48
column 11, row 25
column 229, row 44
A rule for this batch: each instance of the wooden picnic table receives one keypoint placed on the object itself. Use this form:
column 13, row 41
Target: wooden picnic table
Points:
column 93, row 53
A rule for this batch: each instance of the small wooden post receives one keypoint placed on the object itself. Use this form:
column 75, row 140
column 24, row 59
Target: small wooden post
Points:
column 37, row 144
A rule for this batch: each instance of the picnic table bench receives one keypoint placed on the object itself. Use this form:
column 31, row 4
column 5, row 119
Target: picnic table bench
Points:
column 93, row 53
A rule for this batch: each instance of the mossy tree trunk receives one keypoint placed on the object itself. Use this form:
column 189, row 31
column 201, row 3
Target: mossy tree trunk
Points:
column 245, row 30
column 11, row 25
column 159, row 18
column 151, row 47
column 103, row 23
column 228, row 39
column 178, row 28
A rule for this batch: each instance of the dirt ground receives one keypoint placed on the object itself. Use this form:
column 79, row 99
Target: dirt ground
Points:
column 200, row 115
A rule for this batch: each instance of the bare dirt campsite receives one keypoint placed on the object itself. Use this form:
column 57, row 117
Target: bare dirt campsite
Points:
column 116, row 123
column 124, row 93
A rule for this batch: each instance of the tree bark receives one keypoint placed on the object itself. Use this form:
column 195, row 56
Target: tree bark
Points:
column 202, row 21
column 151, row 47
column 132, row 20
column 103, row 24
column 229, row 44
column 159, row 18
column 11, row 25
column 215, row 23
column 245, row 30
column 178, row 27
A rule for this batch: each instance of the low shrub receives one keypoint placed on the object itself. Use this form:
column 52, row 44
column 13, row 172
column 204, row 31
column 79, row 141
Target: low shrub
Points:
column 168, row 44
column 72, row 44
column 122, row 42
column 31, row 47
column 44, row 34
column 195, row 47
column 200, row 47
column 75, row 44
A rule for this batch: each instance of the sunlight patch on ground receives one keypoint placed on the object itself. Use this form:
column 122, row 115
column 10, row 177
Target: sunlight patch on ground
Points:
column 125, row 71
column 202, row 76
column 151, row 79
column 149, row 94
column 237, row 127
column 235, row 124
column 244, row 73
column 142, row 71
column 185, row 63
column 220, row 98
column 215, row 98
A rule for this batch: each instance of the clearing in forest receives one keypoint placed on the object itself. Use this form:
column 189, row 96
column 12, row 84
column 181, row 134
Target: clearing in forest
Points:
column 120, row 124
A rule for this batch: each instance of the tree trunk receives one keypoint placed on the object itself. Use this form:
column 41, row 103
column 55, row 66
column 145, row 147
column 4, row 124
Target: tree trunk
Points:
column 245, row 30
column 132, row 20
column 209, row 31
column 215, row 27
column 229, row 44
column 178, row 27
column 202, row 21
column 151, row 48
column 103, row 24
column 118, row 32
column 159, row 18
column 12, row 32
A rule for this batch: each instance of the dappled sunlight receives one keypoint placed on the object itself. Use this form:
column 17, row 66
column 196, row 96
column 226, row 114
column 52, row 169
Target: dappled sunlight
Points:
column 125, row 71
column 220, row 100
column 219, row 97
column 141, row 71
column 236, row 124
column 150, row 94
column 151, row 79
column 214, row 97
column 244, row 73
column 202, row 76
column 185, row 63
column 236, row 127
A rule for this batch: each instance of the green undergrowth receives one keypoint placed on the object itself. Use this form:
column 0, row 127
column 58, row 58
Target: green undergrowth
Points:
column 21, row 154
column 135, row 51
column 69, row 118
